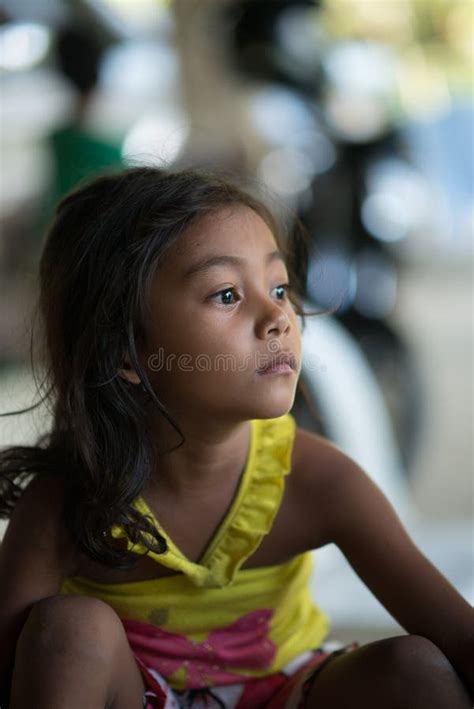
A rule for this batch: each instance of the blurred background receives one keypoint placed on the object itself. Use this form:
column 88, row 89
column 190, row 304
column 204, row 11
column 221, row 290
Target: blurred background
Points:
column 356, row 117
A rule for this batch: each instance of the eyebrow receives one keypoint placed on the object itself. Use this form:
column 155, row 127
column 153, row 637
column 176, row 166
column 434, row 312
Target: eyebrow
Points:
column 222, row 260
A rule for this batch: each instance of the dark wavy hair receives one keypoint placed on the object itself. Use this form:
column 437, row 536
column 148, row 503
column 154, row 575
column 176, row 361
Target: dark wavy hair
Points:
column 97, row 264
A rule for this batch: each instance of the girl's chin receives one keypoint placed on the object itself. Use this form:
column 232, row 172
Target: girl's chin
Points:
column 273, row 406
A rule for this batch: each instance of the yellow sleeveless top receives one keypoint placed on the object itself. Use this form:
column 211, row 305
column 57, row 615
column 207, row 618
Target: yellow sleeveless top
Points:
column 213, row 623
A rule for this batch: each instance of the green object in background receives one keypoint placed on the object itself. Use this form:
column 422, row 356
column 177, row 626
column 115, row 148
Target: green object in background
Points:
column 78, row 155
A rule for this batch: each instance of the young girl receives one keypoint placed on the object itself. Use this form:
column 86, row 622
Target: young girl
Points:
column 160, row 555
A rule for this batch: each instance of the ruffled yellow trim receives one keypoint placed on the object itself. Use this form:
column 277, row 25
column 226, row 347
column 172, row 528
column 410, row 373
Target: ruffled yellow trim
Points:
column 250, row 516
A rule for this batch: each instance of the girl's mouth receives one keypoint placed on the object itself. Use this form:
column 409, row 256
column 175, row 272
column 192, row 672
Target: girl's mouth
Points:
column 282, row 368
column 284, row 363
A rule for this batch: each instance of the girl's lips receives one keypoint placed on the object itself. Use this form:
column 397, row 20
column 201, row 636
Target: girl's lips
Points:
column 282, row 363
column 280, row 368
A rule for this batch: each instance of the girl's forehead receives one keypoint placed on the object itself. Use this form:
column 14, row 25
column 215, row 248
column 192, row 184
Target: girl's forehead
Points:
column 236, row 229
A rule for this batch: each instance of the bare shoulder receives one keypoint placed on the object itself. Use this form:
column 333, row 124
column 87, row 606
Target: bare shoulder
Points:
column 312, row 449
column 320, row 478
column 341, row 502
column 36, row 534
column 39, row 503
column 317, row 463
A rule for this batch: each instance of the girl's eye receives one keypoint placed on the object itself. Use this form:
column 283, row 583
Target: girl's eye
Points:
column 283, row 288
column 224, row 294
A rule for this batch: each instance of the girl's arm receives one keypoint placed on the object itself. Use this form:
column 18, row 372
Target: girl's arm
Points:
column 361, row 522
column 35, row 557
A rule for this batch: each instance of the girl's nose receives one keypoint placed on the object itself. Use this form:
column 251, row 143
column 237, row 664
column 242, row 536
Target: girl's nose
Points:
column 274, row 322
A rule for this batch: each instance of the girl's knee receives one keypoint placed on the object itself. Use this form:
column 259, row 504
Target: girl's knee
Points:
column 68, row 623
column 390, row 673
column 417, row 666
column 412, row 655
column 73, row 651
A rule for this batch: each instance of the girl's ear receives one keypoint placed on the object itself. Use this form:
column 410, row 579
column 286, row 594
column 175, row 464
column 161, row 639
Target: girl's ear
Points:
column 129, row 373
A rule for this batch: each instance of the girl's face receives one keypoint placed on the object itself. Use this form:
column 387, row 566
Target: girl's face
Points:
column 212, row 327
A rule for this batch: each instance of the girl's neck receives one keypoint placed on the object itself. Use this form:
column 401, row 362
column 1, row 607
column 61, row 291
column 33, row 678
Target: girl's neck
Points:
column 211, row 452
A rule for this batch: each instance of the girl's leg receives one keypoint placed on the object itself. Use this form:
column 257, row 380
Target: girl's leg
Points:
column 396, row 673
column 73, row 652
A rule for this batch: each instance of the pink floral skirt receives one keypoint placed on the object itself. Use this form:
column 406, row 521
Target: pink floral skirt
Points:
column 272, row 692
